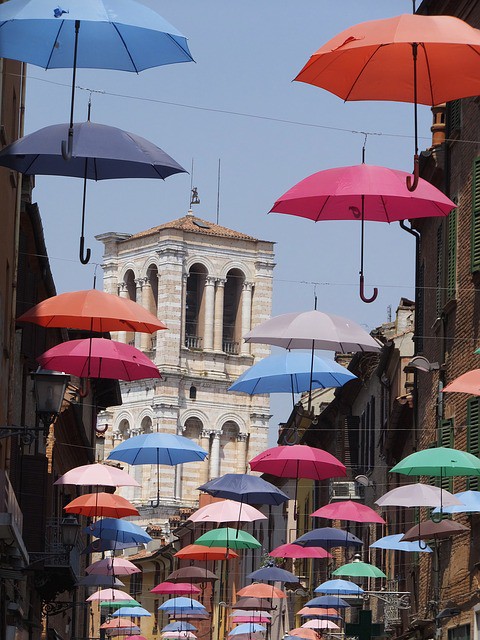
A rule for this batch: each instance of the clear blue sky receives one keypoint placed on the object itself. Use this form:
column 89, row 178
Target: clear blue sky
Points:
column 238, row 103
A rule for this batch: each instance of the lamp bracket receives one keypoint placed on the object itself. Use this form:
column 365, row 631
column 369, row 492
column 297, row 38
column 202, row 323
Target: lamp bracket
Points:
column 28, row 434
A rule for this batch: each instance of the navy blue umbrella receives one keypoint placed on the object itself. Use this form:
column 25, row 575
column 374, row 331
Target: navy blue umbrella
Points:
column 273, row 574
column 328, row 537
column 328, row 601
column 244, row 488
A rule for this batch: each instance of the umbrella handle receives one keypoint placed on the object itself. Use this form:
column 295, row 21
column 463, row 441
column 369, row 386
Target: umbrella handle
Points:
column 84, row 257
column 84, row 389
column 67, row 146
column 413, row 183
column 362, row 291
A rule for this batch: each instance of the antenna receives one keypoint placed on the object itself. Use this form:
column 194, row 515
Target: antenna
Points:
column 218, row 192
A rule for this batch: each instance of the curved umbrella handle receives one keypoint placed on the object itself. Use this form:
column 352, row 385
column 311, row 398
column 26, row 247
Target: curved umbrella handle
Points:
column 84, row 257
column 413, row 183
column 84, row 389
column 362, row 291
column 67, row 146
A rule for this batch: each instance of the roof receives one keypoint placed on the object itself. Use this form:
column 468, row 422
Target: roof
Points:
column 192, row 224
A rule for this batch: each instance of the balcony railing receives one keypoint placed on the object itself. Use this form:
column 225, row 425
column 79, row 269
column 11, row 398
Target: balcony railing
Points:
column 193, row 342
column 231, row 347
column 55, row 553
column 8, row 502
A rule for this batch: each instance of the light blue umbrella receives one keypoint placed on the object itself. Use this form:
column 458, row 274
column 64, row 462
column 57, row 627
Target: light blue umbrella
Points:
column 394, row 543
column 339, row 587
column 470, row 503
column 139, row 612
column 182, row 605
column 328, row 601
column 292, row 372
column 119, row 530
column 246, row 628
column 179, row 626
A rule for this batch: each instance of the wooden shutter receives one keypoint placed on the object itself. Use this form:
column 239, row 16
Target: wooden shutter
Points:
column 33, row 498
column 451, row 270
column 439, row 297
column 454, row 116
column 475, row 247
column 445, row 439
column 473, row 436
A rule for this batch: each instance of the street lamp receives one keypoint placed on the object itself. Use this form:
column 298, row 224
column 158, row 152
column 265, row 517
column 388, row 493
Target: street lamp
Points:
column 49, row 388
column 69, row 529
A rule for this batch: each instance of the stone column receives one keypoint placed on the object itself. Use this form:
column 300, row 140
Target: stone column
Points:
column 209, row 312
column 205, row 444
column 215, row 454
column 123, row 293
column 139, row 283
column 218, row 324
column 242, row 440
column 146, row 338
column 246, row 315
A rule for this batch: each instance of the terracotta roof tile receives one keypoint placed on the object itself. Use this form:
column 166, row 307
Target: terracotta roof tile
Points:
column 193, row 224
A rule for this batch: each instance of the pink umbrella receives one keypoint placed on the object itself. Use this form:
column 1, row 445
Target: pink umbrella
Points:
column 178, row 635
column 109, row 594
column 102, row 475
column 296, row 551
column 117, row 623
column 112, row 566
column 243, row 619
column 123, row 631
column 99, row 358
column 362, row 192
column 227, row 511
column 417, row 495
column 320, row 624
column 176, row 588
column 348, row 510
column 466, row 383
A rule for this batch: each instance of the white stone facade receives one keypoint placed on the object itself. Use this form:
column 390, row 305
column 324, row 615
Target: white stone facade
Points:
column 209, row 285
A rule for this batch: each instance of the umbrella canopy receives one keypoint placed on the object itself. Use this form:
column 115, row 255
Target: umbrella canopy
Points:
column 250, row 614
column 99, row 581
column 297, row 551
column 328, row 537
column 439, row 461
column 177, row 588
column 179, row 626
column 177, row 635
column 158, row 448
column 470, row 503
column 118, row 623
column 318, row 612
column 227, row 511
column 244, row 488
column 113, row 566
column 247, row 628
column 291, row 372
column 243, row 619
column 120, row 530
column 348, row 510
column 205, row 553
column 100, row 475
column 116, row 604
column 137, row 637
column 468, row 382
column 359, row 569
column 228, row 538
column 253, row 604
column 320, row 624
column 395, row 543
column 273, row 574
column 119, row 631
column 313, row 329
column 298, row 461
column 92, row 310
column 308, row 634
column 110, row 594
column 259, row 590
column 339, row 587
column 137, row 612
column 175, row 604
column 328, row 601
column 434, row 530
column 101, row 504
column 99, row 358
column 417, row 495
column 191, row 574
column 97, row 546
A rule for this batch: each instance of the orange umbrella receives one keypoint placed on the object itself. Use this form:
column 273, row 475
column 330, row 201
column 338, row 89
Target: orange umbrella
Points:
column 92, row 310
column 260, row 590
column 200, row 552
column 466, row 383
column 316, row 611
column 408, row 58
column 106, row 505
column 308, row 634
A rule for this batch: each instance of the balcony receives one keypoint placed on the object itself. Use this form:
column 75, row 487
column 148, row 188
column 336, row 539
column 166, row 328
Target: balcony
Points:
column 193, row 342
column 11, row 516
column 231, row 347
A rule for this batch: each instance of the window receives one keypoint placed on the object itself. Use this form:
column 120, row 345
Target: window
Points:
column 136, row 582
column 473, row 439
column 459, row 633
column 451, row 257
column 195, row 307
column 232, row 311
column 475, row 246
column 193, row 393
column 454, row 117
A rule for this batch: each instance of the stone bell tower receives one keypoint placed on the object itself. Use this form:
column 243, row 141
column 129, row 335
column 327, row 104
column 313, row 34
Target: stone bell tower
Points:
column 209, row 285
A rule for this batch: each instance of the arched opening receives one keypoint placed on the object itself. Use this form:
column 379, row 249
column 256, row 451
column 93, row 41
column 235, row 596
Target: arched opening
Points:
column 228, row 447
column 146, row 425
column 193, row 393
column 232, row 311
column 151, row 299
column 129, row 281
column 192, row 428
column 124, row 429
column 195, row 307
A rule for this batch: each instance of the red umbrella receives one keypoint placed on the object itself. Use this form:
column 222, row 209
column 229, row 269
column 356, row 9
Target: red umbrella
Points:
column 204, row 554
column 296, row 551
column 348, row 510
column 99, row 358
column 107, row 505
column 177, row 588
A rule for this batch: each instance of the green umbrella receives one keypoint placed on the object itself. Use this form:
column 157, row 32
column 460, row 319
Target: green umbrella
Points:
column 439, row 461
column 229, row 538
column 359, row 570
column 119, row 603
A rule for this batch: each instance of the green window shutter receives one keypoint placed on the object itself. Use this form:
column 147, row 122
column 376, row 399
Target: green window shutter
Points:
column 440, row 271
column 445, row 439
column 473, row 435
column 451, row 270
column 475, row 247
column 454, row 116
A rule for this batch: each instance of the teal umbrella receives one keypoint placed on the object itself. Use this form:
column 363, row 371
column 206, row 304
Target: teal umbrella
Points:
column 229, row 538
column 439, row 461
column 359, row 570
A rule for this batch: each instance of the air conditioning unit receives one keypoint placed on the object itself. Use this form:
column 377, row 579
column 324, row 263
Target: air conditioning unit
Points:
column 346, row 490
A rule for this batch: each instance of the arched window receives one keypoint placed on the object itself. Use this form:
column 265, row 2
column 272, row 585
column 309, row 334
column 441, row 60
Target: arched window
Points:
column 129, row 280
column 146, row 425
column 228, row 447
column 124, row 429
column 193, row 428
column 195, row 307
column 232, row 311
column 151, row 299
column 193, row 393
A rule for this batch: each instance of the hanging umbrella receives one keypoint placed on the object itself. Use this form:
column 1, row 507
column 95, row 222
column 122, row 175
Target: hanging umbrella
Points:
column 297, row 551
column 320, row 624
column 254, row 604
column 228, row 538
column 359, row 569
column 319, row 612
column 99, row 358
column 417, row 495
column 242, row 619
column 113, row 566
column 175, row 604
column 119, row 631
column 94, row 35
column 470, row 503
column 99, row 152
column 328, row 601
column 395, row 543
column 110, row 594
column 339, row 587
column 137, row 612
column 158, row 448
column 99, row 581
column 362, row 192
column 245, row 488
column 328, row 538
column 227, row 511
column 101, row 504
column 116, row 604
column 136, row 637
column 98, row 546
column 273, row 574
column 313, row 330
column 468, row 382
column 291, row 372
column 250, row 614
column 348, row 510
column 439, row 461
column 408, row 58
column 118, row 623
column 92, row 310
column 205, row 553
column 178, row 635
column 259, row 590
column 191, row 574
column 179, row 626
column 247, row 628
column 120, row 530
column 434, row 530
column 177, row 588
column 307, row 634
column 99, row 475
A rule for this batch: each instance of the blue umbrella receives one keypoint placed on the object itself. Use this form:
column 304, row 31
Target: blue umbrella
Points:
column 339, row 587
column 470, row 503
column 243, row 487
column 158, row 448
column 120, row 530
column 273, row 574
column 175, row 604
column 97, row 546
column 395, row 543
column 328, row 537
column 179, row 626
column 91, row 34
column 247, row 627
column 139, row 612
column 328, row 601
column 292, row 372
